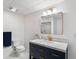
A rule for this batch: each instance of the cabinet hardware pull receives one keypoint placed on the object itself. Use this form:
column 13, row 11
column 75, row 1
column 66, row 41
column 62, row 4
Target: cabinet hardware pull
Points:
column 55, row 55
column 41, row 57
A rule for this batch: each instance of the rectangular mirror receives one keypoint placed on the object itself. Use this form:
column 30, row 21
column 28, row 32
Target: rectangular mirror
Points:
column 52, row 24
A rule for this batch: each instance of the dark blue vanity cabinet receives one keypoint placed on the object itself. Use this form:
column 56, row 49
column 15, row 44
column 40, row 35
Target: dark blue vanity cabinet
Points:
column 41, row 52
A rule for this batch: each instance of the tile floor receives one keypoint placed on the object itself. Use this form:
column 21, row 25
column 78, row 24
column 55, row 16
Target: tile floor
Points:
column 8, row 51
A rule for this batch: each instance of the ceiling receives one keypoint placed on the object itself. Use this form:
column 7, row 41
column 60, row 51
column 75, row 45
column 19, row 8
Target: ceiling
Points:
column 25, row 7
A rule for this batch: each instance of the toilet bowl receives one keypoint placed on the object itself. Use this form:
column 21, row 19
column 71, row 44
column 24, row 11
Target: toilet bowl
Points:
column 20, row 48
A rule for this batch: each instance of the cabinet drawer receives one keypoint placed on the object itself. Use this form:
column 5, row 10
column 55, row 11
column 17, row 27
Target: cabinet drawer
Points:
column 54, row 54
column 57, row 53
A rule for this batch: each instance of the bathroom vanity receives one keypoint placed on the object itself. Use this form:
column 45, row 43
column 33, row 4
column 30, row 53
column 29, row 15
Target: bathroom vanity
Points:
column 44, row 49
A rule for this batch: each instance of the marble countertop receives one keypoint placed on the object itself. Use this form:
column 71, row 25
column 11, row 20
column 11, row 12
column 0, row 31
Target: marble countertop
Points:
column 51, row 44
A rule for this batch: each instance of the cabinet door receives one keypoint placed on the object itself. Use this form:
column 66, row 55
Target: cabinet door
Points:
column 47, row 53
column 53, row 54
column 37, row 51
column 34, row 51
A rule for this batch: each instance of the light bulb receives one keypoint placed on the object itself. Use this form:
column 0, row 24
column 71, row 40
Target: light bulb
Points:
column 12, row 9
column 55, row 10
column 49, row 12
column 44, row 13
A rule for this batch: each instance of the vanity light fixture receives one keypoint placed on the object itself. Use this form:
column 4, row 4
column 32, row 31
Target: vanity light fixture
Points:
column 47, row 12
column 57, row 10
column 52, row 11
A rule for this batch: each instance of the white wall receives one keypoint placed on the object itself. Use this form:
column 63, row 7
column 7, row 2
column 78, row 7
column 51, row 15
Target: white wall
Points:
column 15, row 24
column 70, row 26
column 32, row 24
column 32, row 27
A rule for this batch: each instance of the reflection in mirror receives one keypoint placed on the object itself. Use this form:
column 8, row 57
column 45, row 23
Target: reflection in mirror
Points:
column 52, row 24
column 46, row 27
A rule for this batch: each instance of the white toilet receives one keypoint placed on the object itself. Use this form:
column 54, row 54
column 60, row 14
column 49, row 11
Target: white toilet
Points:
column 18, row 46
